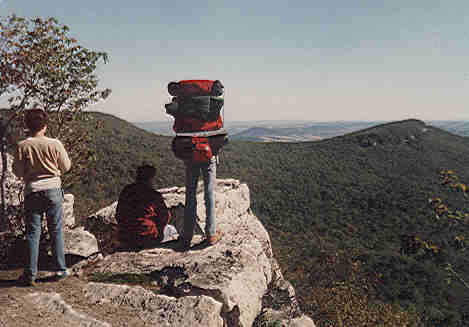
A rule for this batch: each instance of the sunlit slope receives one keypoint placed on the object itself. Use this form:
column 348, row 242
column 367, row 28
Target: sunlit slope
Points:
column 352, row 198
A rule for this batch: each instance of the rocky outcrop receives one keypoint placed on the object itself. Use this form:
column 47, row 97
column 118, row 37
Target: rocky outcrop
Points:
column 13, row 188
column 221, row 285
column 228, row 280
column 235, row 273
column 78, row 241
column 269, row 316
column 14, row 199
column 53, row 302
column 160, row 310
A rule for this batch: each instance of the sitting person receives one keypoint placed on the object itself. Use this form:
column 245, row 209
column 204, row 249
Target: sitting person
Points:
column 141, row 212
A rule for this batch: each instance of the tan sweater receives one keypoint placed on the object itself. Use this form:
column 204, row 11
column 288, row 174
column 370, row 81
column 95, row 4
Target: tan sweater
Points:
column 40, row 161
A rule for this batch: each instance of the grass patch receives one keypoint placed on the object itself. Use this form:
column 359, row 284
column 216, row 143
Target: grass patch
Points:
column 131, row 279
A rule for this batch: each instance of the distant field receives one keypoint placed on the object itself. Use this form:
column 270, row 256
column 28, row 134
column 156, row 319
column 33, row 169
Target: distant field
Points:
column 297, row 131
column 349, row 216
column 460, row 127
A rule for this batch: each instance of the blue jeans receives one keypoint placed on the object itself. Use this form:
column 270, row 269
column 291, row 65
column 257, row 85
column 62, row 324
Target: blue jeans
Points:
column 209, row 173
column 36, row 204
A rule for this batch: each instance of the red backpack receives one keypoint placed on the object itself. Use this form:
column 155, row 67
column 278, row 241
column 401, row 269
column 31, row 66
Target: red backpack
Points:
column 198, row 149
column 183, row 124
column 195, row 87
column 201, row 150
column 196, row 108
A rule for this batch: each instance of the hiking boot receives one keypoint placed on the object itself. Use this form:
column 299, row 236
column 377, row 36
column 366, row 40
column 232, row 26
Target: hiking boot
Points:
column 26, row 281
column 183, row 245
column 62, row 274
column 211, row 240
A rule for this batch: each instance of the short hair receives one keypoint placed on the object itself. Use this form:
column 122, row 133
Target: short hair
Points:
column 35, row 119
column 145, row 172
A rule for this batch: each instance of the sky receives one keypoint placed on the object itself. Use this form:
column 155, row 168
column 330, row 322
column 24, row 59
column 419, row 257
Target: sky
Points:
column 279, row 60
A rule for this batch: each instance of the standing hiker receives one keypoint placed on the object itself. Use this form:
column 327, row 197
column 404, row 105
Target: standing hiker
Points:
column 192, row 173
column 196, row 107
column 40, row 161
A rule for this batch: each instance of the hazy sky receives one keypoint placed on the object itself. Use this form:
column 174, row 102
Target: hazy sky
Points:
column 282, row 60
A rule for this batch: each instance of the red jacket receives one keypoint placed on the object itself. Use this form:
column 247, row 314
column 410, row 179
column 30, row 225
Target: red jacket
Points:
column 141, row 214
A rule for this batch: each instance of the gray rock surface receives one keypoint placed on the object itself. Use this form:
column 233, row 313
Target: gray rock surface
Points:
column 69, row 216
column 221, row 285
column 159, row 310
column 236, row 272
column 53, row 303
column 303, row 321
column 13, row 187
column 80, row 242
column 77, row 240
column 269, row 317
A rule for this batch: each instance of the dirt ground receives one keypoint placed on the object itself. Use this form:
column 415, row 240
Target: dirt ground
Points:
column 15, row 311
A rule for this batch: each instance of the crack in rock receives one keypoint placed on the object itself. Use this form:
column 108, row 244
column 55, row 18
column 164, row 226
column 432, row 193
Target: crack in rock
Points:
column 173, row 281
column 157, row 309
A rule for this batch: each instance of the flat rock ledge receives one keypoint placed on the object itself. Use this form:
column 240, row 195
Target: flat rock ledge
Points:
column 159, row 310
column 53, row 303
column 78, row 241
column 221, row 285
column 218, row 286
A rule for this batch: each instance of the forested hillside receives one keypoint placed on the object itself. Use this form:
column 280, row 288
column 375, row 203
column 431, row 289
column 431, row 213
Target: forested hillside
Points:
column 371, row 226
column 455, row 127
column 365, row 196
column 296, row 131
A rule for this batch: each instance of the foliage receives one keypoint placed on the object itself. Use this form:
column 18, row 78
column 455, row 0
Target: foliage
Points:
column 263, row 320
column 124, row 278
column 119, row 148
column 350, row 218
column 43, row 66
column 359, row 196
column 144, row 280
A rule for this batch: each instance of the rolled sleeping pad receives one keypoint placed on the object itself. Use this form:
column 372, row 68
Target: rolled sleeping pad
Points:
column 184, row 124
column 206, row 108
column 182, row 146
column 191, row 88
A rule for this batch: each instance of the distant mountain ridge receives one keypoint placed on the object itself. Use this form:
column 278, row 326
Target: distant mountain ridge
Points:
column 456, row 127
column 299, row 131
column 350, row 217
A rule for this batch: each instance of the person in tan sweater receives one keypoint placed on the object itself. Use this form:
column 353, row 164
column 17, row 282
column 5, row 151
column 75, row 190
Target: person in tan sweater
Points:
column 40, row 161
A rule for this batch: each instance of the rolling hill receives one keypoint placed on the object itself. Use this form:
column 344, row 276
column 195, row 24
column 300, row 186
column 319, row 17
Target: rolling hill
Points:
column 272, row 131
column 297, row 131
column 455, row 127
column 300, row 133
column 349, row 216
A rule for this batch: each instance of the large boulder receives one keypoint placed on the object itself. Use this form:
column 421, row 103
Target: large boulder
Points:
column 13, row 192
column 221, row 285
column 78, row 241
column 53, row 303
column 159, row 310
column 235, row 273
column 69, row 216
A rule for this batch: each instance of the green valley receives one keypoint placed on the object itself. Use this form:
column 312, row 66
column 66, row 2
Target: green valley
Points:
column 352, row 220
